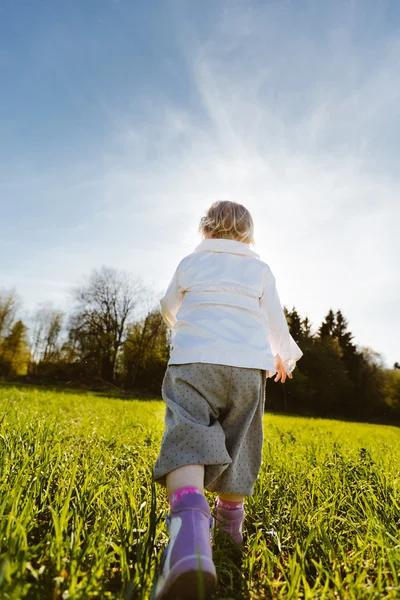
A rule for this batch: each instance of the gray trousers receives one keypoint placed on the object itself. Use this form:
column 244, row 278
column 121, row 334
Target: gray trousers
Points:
column 213, row 418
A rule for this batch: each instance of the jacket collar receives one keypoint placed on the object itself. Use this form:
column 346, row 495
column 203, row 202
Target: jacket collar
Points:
column 223, row 245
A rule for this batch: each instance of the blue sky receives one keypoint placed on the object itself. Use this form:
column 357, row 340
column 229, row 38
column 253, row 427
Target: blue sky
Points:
column 122, row 120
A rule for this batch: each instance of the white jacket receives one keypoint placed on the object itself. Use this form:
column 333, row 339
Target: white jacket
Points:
column 223, row 307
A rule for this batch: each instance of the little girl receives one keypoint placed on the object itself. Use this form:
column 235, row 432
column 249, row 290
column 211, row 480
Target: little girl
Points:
column 229, row 333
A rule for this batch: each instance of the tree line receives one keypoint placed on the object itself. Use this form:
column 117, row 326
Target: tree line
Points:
column 114, row 335
column 335, row 377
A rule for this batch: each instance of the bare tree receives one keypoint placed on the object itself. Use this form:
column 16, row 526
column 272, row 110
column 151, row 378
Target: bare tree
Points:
column 46, row 330
column 9, row 305
column 103, row 308
column 147, row 341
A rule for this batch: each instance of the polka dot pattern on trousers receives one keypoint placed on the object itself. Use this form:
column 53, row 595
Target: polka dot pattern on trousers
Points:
column 214, row 418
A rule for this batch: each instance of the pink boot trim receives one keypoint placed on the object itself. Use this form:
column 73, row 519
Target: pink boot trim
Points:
column 178, row 494
column 228, row 504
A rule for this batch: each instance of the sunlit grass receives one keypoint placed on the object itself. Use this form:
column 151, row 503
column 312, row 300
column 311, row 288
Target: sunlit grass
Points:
column 79, row 518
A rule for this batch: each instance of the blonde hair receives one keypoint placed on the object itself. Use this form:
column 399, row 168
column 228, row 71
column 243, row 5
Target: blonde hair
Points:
column 227, row 220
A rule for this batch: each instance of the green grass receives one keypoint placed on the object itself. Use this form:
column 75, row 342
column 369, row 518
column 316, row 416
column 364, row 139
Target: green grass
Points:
column 80, row 519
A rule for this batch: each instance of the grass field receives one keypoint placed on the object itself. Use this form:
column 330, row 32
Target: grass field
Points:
column 80, row 519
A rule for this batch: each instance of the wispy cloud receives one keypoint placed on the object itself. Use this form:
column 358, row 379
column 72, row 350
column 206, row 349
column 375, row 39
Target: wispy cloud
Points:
column 295, row 130
column 292, row 115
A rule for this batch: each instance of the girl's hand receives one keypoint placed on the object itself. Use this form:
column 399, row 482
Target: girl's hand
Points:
column 281, row 371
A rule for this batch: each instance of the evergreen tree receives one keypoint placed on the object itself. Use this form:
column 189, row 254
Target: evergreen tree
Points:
column 14, row 351
column 344, row 337
column 327, row 327
column 306, row 328
column 295, row 325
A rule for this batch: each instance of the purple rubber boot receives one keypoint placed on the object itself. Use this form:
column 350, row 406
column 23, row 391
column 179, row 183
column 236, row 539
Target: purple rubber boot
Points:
column 187, row 569
column 230, row 521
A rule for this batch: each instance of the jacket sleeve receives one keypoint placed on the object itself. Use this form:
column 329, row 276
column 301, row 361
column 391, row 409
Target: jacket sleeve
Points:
column 280, row 340
column 171, row 301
